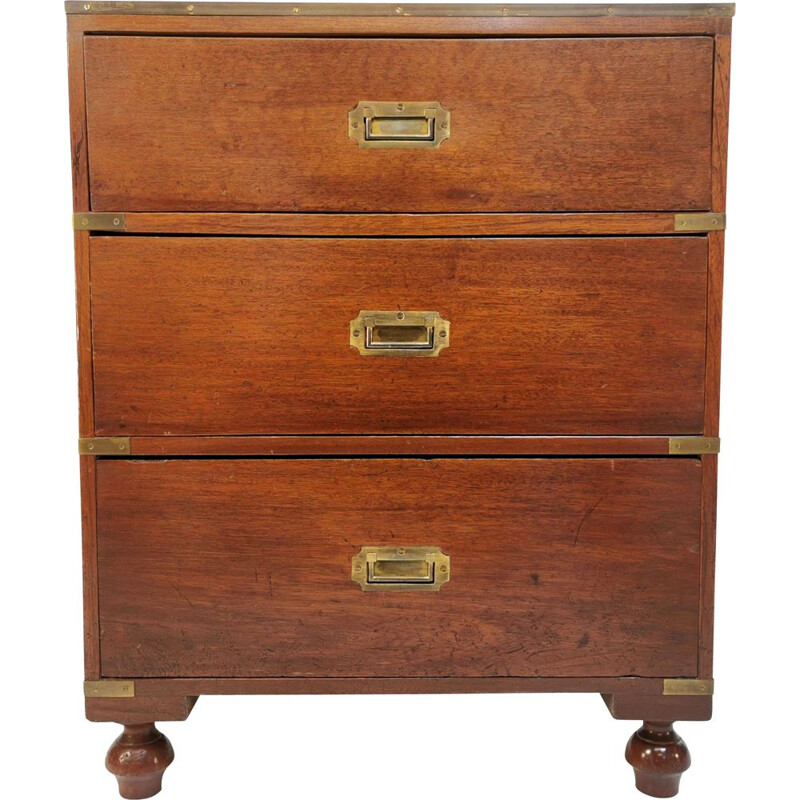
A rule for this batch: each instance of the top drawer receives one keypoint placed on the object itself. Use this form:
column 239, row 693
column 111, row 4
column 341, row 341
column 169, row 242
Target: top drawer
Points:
column 261, row 124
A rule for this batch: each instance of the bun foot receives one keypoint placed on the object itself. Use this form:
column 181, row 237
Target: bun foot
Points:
column 138, row 759
column 659, row 757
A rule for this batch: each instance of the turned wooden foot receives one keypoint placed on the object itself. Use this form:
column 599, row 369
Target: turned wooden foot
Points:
column 138, row 759
column 659, row 757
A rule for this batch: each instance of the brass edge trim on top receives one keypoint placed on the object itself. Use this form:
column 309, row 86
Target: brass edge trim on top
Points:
column 700, row 222
column 413, row 10
column 105, row 446
column 93, row 221
column 694, row 446
column 109, row 689
column 688, row 687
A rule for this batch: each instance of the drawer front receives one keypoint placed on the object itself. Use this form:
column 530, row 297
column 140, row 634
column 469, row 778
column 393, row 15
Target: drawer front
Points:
column 252, row 336
column 559, row 567
column 247, row 124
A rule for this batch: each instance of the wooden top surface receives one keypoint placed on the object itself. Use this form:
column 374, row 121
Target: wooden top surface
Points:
column 411, row 10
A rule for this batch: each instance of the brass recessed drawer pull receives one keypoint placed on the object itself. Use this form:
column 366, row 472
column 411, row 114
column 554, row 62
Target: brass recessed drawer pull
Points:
column 398, row 124
column 399, row 333
column 400, row 569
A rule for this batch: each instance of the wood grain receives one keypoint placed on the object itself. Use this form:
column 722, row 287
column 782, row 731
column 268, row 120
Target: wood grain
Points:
column 716, row 240
column 398, row 445
column 83, row 331
column 155, row 688
column 659, row 758
column 716, row 256
column 138, row 759
column 403, row 26
column 211, row 124
column 80, row 190
column 719, row 149
column 174, row 706
column 242, row 568
column 627, row 704
column 708, row 548
column 91, row 625
column 77, row 120
column 250, row 336
column 473, row 224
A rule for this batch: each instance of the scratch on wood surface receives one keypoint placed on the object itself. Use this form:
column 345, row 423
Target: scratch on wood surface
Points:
column 589, row 512
column 177, row 589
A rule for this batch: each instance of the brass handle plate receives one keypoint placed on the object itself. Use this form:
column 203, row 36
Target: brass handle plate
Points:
column 400, row 569
column 398, row 124
column 399, row 333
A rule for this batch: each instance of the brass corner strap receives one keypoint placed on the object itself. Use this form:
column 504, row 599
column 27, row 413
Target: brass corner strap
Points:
column 109, row 689
column 93, row 221
column 700, row 223
column 694, row 446
column 105, row 446
column 687, row 687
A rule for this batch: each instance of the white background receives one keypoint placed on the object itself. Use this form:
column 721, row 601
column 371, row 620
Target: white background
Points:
column 510, row 746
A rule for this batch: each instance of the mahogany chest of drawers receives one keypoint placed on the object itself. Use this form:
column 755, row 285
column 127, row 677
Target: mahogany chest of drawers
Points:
column 399, row 336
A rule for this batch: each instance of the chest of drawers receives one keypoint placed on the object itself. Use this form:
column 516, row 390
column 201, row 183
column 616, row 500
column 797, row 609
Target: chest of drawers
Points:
column 399, row 335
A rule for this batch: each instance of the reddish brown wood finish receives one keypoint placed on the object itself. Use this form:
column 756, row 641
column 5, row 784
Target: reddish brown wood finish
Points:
column 143, row 707
column 716, row 239
column 560, row 567
column 77, row 120
column 84, row 334
column 174, row 698
column 659, row 757
column 251, row 336
column 406, row 26
column 138, row 759
column 719, row 148
column 629, row 704
column 286, row 224
column 80, row 189
column 398, row 445
column 716, row 253
column 577, row 129
column 708, row 546
column 157, row 689
column 91, row 625
column 641, row 698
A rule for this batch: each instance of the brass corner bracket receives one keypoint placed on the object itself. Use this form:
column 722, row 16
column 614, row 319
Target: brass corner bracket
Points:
column 700, row 223
column 687, row 687
column 109, row 689
column 694, row 446
column 105, row 446
column 93, row 221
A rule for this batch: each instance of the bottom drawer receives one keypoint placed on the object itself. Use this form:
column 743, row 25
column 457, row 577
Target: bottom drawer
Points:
column 242, row 568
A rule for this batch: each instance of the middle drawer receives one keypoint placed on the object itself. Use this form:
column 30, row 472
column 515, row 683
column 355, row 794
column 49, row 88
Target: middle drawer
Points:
column 232, row 336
